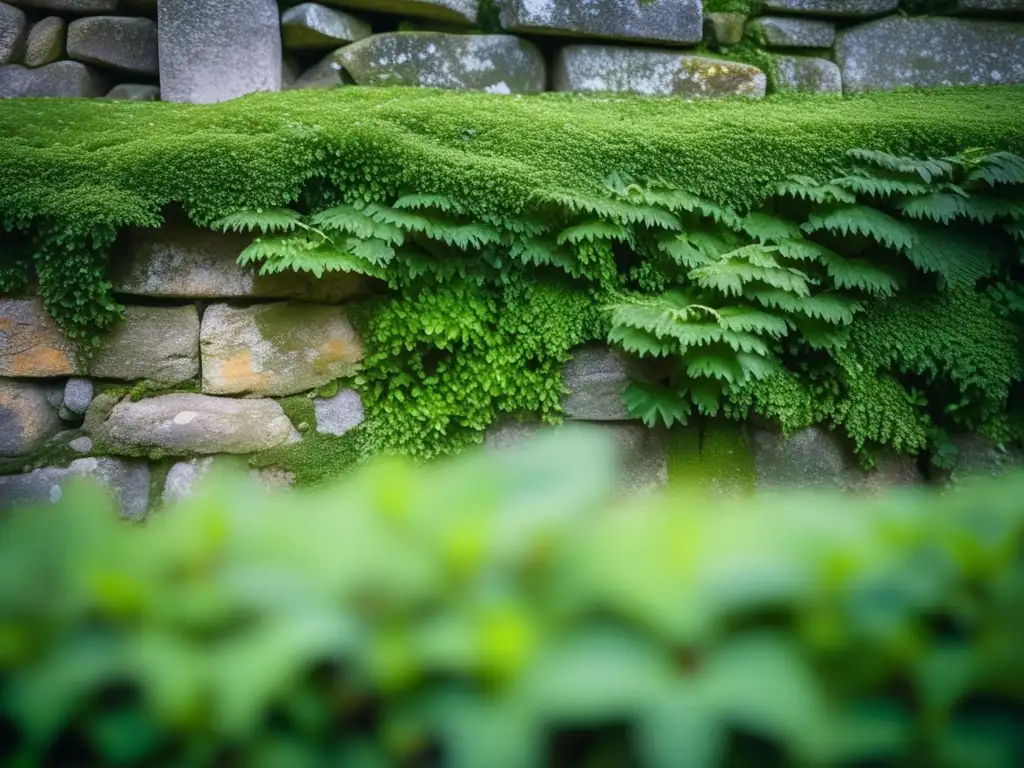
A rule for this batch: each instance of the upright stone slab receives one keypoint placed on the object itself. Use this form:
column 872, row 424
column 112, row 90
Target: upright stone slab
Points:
column 67, row 79
column 849, row 8
column 449, row 11
column 311, row 26
column 31, row 345
column 807, row 74
column 596, row 377
column 928, row 52
column 276, row 349
column 176, row 425
column 216, row 50
column 27, row 417
column 493, row 63
column 13, row 29
column 158, row 344
column 597, row 68
column 127, row 481
column 662, row 21
column 124, row 44
column 45, row 43
column 783, row 32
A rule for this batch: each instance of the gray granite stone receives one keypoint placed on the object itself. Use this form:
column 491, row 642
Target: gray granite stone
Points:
column 811, row 458
column 448, row 11
column 596, row 377
column 158, row 344
column 127, row 482
column 311, row 26
column 784, row 32
column 45, row 43
column 851, row 8
column 27, row 418
column 329, row 72
column 339, row 414
column 662, row 21
column 70, row 7
column 124, row 44
column 807, row 74
column 78, row 394
column 1014, row 8
column 31, row 344
column 134, row 92
column 68, row 79
column 13, row 31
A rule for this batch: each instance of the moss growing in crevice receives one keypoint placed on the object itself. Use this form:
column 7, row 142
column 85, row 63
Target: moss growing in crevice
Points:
column 712, row 458
column 316, row 460
column 146, row 389
column 54, row 452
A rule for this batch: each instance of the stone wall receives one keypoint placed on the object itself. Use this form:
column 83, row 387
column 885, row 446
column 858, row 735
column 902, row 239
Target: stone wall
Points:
column 212, row 50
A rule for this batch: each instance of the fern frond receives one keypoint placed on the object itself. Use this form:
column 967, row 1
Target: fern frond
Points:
column 929, row 170
column 862, row 220
column 465, row 236
column 746, row 318
column 419, row 202
column 769, row 229
column 706, row 394
column 677, row 200
column 1015, row 229
column 376, row 252
column 749, row 264
column 821, row 334
column 806, row 188
column 858, row 273
column 265, row 220
column 999, row 168
column 640, row 342
column 617, row 210
column 863, row 183
column 955, row 255
column 537, row 251
column 831, row 307
column 654, row 404
column 715, row 363
column 352, row 221
column 592, row 231
column 756, row 366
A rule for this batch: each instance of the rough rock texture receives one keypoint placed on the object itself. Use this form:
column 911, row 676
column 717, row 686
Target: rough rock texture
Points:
column 69, row 79
column 891, row 471
column 13, row 29
column 195, row 424
column 182, row 261
column 803, row 73
column 492, row 63
column 782, row 32
column 653, row 73
column 78, row 394
column 127, row 481
column 329, row 72
column 160, row 344
column 663, row 21
column 833, row 7
column 312, row 26
column 71, row 7
column 215, row 50
column 122, row 43
column 812, row 458
column 26, row 417
column 457, row 11
column 276, row 349
column 596, row 378
column 185, row 476
column 920, row 52
column 45, row 43
column 31, row 345
column 81, row 444
column 337, row 415
column 135, row 92
column 724, row 28
column 979, row 457
column 990, row 7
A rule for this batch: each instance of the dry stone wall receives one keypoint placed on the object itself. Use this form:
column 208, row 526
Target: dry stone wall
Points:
column 206, row 51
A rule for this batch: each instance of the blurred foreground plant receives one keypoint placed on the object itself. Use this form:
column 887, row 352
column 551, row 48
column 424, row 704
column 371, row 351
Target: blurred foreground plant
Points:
column 502, row 611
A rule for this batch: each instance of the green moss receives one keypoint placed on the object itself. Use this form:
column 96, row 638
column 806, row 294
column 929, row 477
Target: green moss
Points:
column 145, row 389
column 299, row 409
column 318, row 459
column 712, row 458
column 54, row 452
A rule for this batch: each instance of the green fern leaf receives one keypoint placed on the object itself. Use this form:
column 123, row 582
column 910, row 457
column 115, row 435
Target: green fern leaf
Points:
column 640, row 342
column 769, row 229
column 677, row 200
column 942, row 207
column 276, row 247
column 821, row 334
column 745, row 318
column 858, row 273
column 465, row 236
column 617, row 210
column 862, row 220
column 799, row 249
column 536, row 251
column 831, row 307
column 959, row 257
column 592, row 231
column 715, row 363
column 999, row 168
column 929, row 170
column 265, row 220
column 706, row 394
column 1015, row 229
column 806, row 188
column 419, row 202
column 756, row 366
column 350, row 220
column 863, row 183
column 655, row 404
column 752, row 263
column 376, row 252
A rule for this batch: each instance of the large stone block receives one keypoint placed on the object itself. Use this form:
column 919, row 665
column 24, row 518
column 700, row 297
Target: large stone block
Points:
column 13, row 30
column 924, row 52
column 783, row 32
column 276, row 349
column 186, row 262
column 811, row 458
column 216, row 50
column 45, row 43
column 492, row 63
column 194, row 424
column 976, row 456
column 121, row 43
column 159, row 344
column 451, row 11
column 833, row 7
column 70, row 7
column 27, row 418
column 339, row 414
column 127, row 481
column 311, row 26
column 806, row 74
column 596, row 377
column 596, row 68
column 990, row 7
column 663, row 21
column 67, row 79
column 31, row 345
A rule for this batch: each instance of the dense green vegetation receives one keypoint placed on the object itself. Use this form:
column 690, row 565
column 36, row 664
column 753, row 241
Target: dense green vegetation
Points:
column 747, row 248
column 502, row 613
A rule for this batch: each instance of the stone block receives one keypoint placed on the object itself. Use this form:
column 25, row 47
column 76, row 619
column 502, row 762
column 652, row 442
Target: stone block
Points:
column 494, row 63
column 845, row 8
column 158, row 344
column 662, row 21
column 276, row 349
column 811, row 458
column 216, row 50
column 311, row 26
column 785, row 32
column 339, row 414
column 448, row 11
column 13, row 30
column 127, row 481
column 27, row 418
column 598, row 68
column 134, row 92
column 70, row 7
column 45, row 43
column 125, row 44
column 1014, row 8
column 78, row 394
column 66, row 79
column 596, row 377
column 807, row 74
column 31, row 345
column 329, row 72
column 724, row 29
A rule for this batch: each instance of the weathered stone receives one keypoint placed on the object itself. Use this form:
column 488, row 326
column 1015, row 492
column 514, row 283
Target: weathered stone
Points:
column 803, row 73
column 339, row 414
column 55, row 395
column 45, row 43
column 183, row 478
column 492, row 63
column 833, row 7
column 891, row 471
column 590, row 68
column 135, row 92
column 924, row 52
column 216, row 50
column 78, row 394
column 990, row 7
column 186, row 262
column 276, row 349
column 71, row 7
column 13, row 29
column 81, row 444
column 127, row 481
column 99, row 410
column 159, row 344
column 121, row 43
column 274, row 478
column 31, row 345
column 26, row 417
column 723, row 29
column 312, row 26
column 68, row 79
column 596, row 377
column 782, row 32
column 195, row 424
column 452, row 11
column 977, row 456
column 812, row 458
column 663, row 21
column 329, row 72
